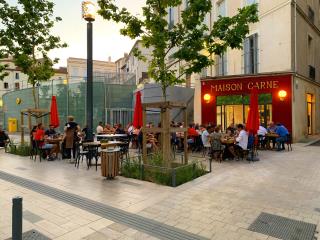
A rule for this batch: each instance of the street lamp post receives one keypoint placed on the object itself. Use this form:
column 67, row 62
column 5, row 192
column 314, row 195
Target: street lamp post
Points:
column 88, row 13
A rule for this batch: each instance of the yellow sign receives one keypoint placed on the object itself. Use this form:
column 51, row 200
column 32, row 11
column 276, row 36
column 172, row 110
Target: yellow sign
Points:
column 18, row 101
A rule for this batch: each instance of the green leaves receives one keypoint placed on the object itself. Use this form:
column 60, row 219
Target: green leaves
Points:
column 186, row 47
column 26, row 36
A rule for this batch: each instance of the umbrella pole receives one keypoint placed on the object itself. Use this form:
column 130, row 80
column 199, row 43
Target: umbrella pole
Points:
column 252, row 157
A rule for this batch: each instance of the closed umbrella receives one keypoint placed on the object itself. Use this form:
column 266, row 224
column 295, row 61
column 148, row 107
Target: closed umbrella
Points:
column 54, row 116
column 253, row 122
column 137, row 115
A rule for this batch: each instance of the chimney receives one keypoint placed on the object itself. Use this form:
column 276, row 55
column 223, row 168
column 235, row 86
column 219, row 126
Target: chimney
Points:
column 109, row 59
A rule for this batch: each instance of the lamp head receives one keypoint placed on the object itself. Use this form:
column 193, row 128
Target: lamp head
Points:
column 88, row 10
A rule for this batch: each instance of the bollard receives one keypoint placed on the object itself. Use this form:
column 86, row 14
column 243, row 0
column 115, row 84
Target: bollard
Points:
column 17, row 218
column 173, row 177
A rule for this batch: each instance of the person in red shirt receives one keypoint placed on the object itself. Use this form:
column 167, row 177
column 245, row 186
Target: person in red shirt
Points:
column 40, row 138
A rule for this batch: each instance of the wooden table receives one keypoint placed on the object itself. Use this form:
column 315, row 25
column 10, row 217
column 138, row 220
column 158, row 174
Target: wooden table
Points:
column 111, row 144
column 110, row 163
column 269, row 138
column 56, row 142
column 111, row 136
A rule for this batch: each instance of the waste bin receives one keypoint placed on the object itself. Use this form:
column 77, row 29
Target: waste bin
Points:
column 12, row 125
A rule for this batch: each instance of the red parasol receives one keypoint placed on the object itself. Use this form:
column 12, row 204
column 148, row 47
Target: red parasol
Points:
column 253, row 120
column 137, row 116
column 54, row 116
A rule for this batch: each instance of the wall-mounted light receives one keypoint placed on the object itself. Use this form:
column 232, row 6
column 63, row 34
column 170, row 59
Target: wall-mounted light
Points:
column 65, row 81
column 282, row 95
column 1, row 103
column 207, row 98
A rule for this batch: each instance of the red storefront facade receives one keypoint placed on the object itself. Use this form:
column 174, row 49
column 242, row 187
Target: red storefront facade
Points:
column 279, row 107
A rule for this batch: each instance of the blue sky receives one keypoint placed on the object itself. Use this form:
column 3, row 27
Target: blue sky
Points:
column 107, row 40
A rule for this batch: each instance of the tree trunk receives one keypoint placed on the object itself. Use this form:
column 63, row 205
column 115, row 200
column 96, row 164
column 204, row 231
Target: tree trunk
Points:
column 34, row 97
column 164, row 93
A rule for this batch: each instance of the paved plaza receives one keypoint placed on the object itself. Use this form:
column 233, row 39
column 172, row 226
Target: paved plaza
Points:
column 220, row 205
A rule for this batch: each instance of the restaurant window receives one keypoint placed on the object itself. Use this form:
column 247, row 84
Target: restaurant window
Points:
column 5, row 85
column 222, row 68
column 234, row 109
column 250, row 51
column 171, row 17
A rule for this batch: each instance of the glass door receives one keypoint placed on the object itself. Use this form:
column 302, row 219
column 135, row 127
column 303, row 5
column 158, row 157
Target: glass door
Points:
column 310, row 113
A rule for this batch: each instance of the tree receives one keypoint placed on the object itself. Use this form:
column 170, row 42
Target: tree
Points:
column 188, row 42
column 26, row 36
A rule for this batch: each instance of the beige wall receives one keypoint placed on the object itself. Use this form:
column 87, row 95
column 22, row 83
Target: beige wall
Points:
column 299, row 109
column 304, row 59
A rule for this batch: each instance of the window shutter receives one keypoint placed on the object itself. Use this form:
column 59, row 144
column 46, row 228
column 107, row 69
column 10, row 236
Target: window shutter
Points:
column 246, row 54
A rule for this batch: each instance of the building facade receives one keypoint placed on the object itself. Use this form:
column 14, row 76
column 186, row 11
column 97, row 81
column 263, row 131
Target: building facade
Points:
column 129, row 63
column 17, row 80
column 280, row 56
column 77, row 68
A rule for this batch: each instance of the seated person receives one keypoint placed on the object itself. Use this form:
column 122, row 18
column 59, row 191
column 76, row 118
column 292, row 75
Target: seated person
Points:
column 216, row 139
column 50, row 132
column 205, row 137
column 193, row 137
column 262, row 131
column 99, row 128
column 4, row 139
column 119, row 129
column 241, row 140
column 108, row 129
column 283, row 132
column 40, row 138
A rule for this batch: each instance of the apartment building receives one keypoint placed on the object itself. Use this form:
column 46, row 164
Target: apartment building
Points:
column 17, row 80
column 280, row 57
column 129, row 63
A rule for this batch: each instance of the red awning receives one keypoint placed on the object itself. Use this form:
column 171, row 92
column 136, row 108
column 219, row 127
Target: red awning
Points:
column 54, row 115
column 137, row 116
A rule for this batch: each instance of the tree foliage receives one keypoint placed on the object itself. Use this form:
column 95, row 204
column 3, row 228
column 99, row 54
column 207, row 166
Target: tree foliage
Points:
column 189, row 42
column 26, row 35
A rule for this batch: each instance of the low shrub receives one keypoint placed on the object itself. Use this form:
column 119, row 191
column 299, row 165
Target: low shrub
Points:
column 19, row 149
column 156, row 172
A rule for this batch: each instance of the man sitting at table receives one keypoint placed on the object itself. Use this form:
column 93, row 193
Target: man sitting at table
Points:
column 108, row 129
column 40, row 137
column 262, row 135
column 241, row 140
column 120, row 129
column 50, row 132
column 99, row 128
column 283, row 132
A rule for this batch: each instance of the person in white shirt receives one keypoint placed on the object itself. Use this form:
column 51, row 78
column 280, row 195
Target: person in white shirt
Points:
column 99, row 129
column 242, row 139
column 205, row 137
column 262, row 131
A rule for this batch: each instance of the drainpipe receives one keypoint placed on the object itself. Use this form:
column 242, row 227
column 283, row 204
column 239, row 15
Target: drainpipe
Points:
column 295, row 36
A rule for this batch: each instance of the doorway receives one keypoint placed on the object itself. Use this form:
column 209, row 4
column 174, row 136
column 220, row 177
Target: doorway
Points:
column 310, row 113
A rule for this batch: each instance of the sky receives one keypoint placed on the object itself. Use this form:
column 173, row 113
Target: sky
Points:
column 107, row 40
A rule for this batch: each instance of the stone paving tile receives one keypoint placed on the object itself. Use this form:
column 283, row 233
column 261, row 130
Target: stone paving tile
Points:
column 220, row 205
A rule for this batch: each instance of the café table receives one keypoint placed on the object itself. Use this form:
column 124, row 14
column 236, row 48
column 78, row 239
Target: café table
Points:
column 111, row 136
column 56, row 142
column 110, row 162
column 227, row 143
column 111, row 144
column 271, row 137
